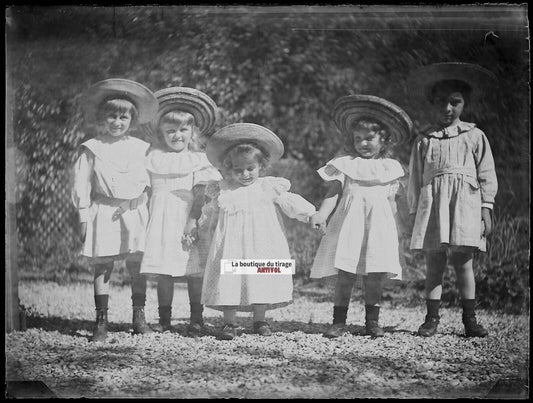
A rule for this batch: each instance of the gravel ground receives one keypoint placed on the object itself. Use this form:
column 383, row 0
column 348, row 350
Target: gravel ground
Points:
column 295, row 362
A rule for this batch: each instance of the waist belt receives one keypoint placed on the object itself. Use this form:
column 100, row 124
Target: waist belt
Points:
column 122, row 204
column 429, row 175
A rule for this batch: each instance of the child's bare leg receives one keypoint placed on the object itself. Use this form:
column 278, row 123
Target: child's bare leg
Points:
column 259, row 311
column 102, row 274
column 138, row 297
column 464, row 270
column 194, row 288
column 435, row 267
column 466, row 282
column 373, row 283
column 343, row 294
column 230, row 316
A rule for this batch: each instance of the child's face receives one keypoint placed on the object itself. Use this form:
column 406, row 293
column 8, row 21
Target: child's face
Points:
column 367, row 143
column 447, row 106
column 176, row 136
column 116, row 123
column 244, row 169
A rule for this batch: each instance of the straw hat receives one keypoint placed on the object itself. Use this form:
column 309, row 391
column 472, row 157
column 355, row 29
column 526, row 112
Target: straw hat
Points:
column 119, row 88
column 351, row 108
column 223, row 139
column 421, row 81
column 184, row 99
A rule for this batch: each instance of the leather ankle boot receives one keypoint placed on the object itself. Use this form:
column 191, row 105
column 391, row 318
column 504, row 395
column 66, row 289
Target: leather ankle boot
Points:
column 335, row 330
column 429, row 327
column 472, row 328
column 139, row 322
column 100, row 327
column 197, row 313
column 373, row 329
column 165, row 314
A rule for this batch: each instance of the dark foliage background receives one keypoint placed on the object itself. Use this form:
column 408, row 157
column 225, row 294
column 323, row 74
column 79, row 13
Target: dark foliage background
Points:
column 282, row 67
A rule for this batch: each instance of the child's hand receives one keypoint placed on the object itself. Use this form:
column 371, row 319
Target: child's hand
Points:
column 188, row 239
column 318, row 222
column 190, row 226
column 122, row 208
column 486, row 218
column 143, row 198
column 190, row 234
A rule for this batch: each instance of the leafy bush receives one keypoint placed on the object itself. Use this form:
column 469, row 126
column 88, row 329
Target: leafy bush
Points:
column 502, row 274
column 259, row 68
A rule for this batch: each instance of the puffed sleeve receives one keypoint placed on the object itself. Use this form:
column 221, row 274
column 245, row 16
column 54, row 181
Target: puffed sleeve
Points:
column 81, row 190
column 205, row 174
column 330, row 173
column 293, row 205
column 486, row 171
column 416, row 172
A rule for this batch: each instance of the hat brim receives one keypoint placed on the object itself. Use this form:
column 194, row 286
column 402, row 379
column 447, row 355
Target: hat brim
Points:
column 351, row 108
column 421, row 81
column 223, row 139
column 119, row 88
column 184, row 99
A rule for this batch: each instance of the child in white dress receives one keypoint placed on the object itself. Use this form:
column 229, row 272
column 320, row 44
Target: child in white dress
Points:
column 361, row 238
column 452, row 184
column 110, row 182
column 178, row 172
column 248, row 225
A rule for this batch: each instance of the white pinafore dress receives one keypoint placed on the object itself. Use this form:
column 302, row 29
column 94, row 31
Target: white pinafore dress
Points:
column 109, row 173
column 361, row 236
column 248, row 227
column 172, row 176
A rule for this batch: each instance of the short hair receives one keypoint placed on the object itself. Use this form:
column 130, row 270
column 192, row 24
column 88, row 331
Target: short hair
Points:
column 368, row 125
column 180, row 118
column 119, row 105
column 452, row 86
column 258, row 153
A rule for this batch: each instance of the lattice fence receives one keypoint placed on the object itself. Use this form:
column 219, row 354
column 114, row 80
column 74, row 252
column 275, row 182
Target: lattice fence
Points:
column 47, row 222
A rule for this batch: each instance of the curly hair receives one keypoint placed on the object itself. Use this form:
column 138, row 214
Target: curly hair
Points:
column 259, row 154
column 372, row 126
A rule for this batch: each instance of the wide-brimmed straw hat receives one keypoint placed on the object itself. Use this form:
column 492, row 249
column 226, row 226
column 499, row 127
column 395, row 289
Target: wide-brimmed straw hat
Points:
column 421, row 81
column 119, row 88
column 223, row 139
column 184, row 99
column 351, row 108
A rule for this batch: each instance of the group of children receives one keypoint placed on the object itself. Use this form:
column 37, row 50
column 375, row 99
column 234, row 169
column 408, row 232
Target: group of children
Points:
column 175, row 206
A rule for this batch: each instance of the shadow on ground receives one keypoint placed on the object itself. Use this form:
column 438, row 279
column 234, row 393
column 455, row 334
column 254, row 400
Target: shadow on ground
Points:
column 83, row 328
